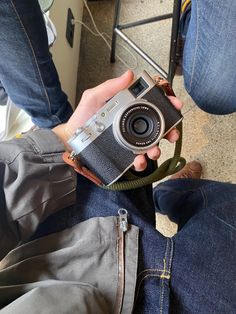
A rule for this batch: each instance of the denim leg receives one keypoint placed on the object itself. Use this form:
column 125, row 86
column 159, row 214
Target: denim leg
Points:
column 210, row 54
column 203, row 271
column 172, row 199
column 27, row 72
column 192, row 272
column 155, row 251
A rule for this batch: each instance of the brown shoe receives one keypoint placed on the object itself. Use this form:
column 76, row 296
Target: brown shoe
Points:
column 192, row 170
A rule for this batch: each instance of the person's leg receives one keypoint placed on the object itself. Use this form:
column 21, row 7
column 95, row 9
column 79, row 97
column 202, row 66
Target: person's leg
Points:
column 27, row 72
column 180, row 199
column 92, row 201
column 203, row 268
column 209, row 55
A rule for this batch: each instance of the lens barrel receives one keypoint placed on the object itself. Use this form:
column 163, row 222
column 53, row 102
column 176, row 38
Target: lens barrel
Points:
column 138, row 125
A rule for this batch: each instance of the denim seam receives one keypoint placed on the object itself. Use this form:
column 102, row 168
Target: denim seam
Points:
column 148, row 275
column 151, row 270
column 196, row 45
column 171, row 255
column 221, row 220
column 140, row 283
column 35, row 59
column 163, row 278
column 166, row 252
column 205, row 204
column 166, row 188
column 162, row 295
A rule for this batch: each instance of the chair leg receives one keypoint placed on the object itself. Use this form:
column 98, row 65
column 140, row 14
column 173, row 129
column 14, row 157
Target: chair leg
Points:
column 174, row 33
column 173, row 42
column 115, row 25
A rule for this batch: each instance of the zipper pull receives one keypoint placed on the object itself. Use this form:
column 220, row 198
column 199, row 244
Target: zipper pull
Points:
column 123, row 221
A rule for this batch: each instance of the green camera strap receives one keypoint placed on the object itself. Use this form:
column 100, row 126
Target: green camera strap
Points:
column 167, row 168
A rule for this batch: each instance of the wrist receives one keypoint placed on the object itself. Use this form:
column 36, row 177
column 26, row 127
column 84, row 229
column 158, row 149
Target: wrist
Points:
column 64, row 134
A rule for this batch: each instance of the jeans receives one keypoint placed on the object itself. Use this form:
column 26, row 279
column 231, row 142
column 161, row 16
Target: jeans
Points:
column 192, row 272
column 27, row 73
column 209, row 56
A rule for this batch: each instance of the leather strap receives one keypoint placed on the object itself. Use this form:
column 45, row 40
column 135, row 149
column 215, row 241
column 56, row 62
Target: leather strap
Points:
column 164, row 84
column 74, row 162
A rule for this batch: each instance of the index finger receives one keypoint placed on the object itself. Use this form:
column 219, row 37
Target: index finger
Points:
column 175, row 102
column 94, row 98
column 101, row 93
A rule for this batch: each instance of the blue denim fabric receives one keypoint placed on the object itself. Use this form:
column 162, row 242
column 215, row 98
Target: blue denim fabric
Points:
column 193, row 272
column 203, row 271
column 209, row 57
column 27, row 72
column 93, row 201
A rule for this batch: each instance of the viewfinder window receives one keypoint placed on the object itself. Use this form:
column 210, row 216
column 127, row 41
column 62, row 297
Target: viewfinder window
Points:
column 138, row 87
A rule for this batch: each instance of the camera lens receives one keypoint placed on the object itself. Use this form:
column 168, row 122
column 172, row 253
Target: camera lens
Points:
column 139, row 125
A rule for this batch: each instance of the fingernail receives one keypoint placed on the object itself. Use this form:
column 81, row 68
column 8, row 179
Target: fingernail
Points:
column 156, row 156
column 176, row 135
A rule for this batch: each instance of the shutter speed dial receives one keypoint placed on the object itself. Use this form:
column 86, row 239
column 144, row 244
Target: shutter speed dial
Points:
column 100, row 127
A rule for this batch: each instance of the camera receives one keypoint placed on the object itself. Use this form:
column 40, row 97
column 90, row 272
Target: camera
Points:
column 128, row 124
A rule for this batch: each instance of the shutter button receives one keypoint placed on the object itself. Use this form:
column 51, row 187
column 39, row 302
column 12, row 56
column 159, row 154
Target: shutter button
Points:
column 99, row 126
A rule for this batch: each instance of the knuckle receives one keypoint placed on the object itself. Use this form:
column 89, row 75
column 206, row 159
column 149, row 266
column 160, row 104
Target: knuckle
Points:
column 87, row 94
column 109, row 81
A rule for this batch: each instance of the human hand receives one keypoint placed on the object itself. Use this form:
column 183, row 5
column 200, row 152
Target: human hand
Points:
column 93, row 99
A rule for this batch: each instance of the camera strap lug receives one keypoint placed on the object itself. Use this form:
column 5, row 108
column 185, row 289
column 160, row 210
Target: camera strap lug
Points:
column 164, row 84
column 72, row 160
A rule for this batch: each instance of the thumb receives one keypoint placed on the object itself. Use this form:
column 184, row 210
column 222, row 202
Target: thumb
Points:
column 94, row 98
column 110, row 88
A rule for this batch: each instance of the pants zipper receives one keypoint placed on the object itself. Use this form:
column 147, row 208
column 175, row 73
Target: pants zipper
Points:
column 122, row 227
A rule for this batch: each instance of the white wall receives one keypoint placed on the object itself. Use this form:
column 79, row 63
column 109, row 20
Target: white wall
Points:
column 66, row 58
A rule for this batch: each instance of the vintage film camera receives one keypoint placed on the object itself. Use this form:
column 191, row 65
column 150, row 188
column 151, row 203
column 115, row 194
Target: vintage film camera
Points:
column 130, row 123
